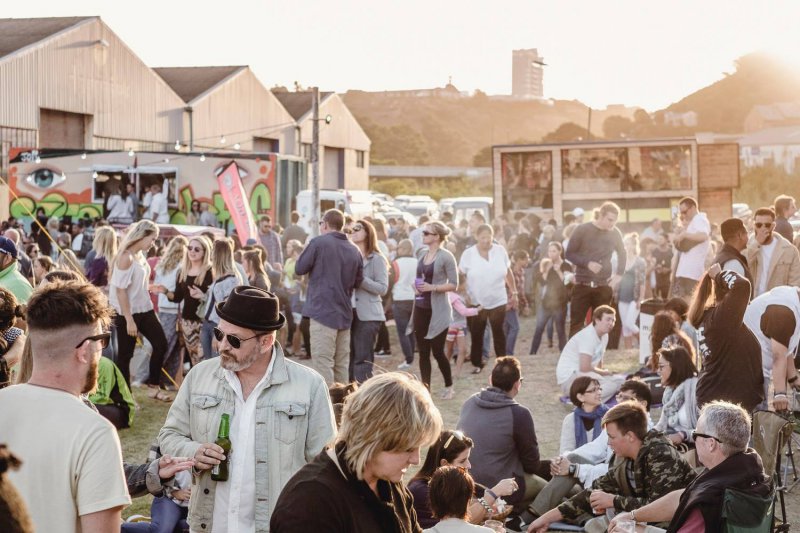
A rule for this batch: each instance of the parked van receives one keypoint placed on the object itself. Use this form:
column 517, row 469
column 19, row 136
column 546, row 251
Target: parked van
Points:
column 357, row 204
column 466, row 205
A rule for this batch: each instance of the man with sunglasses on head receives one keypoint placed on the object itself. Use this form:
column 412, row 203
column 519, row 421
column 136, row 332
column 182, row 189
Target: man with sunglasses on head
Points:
column 72, row 478
column 773, row 260
column 280, row 417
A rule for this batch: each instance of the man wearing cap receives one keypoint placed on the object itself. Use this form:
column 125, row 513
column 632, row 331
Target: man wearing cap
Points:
column 10, row 276
column 280, row 417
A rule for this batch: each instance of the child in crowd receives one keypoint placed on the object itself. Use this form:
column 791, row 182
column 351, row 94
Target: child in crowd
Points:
column 457, row 333
column 451, row 489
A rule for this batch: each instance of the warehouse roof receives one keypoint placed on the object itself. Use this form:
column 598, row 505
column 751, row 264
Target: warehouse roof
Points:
column 16, row 34
column 298, row 104
column 191, row 82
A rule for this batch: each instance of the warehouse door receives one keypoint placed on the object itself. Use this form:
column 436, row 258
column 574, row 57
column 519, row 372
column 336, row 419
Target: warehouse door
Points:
column 60, row 129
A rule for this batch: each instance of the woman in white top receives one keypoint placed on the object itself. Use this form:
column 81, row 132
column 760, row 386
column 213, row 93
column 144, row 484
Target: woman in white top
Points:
column 118, row 208
column 488, row 269
column 451, row 489
column 405, row 270
column 166, row 280
column 129, row 296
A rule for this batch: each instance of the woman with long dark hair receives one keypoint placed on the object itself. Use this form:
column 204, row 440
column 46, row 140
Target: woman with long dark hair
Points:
column 666, row 332
column 368, row 312
column 730, row 353
column 436, row 276
column 679, row 411
column 452, row 448
column 129, row 296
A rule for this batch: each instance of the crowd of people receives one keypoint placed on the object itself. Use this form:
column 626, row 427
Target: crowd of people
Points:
column 211, row 326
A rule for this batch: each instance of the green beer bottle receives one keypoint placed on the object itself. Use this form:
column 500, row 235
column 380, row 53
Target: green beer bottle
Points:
column 220, row 471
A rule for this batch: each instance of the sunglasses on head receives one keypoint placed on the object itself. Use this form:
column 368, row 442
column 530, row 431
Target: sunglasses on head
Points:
column 455, row 434
column 763, row 224
column 104, row 338
column 233, row 340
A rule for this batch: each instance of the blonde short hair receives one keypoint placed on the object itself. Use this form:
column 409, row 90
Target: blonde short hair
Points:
column 390, row 412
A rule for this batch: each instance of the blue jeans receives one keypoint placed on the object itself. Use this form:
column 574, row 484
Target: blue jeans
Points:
column 362, row 339
column 402, row 315
column 511, row 329
column 542, row 317
column 166, row 518
column 206, row 337
column 172, row 358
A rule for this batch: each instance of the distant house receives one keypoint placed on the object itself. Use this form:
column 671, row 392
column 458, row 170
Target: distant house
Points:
column 426, row 177
column 678, row 119
column 772, row 147
column 762, row 117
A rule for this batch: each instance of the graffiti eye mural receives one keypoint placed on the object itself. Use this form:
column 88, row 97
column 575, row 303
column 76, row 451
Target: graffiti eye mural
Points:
column 45, row 178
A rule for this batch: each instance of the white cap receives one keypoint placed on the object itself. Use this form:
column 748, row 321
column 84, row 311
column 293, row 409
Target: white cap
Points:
column 578, row 212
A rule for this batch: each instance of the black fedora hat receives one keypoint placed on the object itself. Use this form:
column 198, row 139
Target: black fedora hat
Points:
column 252, row 308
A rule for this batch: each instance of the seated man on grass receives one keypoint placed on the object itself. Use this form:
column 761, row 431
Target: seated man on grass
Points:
column 583, row 354
column 588, row 462
column 648, row 467
column 721, row 437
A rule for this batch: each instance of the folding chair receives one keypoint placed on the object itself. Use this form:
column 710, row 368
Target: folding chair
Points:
column 747, row 513
column 771, row 434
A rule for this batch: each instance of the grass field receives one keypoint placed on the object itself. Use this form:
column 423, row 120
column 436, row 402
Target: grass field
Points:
column 539, row 393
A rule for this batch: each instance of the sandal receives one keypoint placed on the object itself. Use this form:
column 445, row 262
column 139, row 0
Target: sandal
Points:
column 164, row 396
column 477, row 370
column 447, row 393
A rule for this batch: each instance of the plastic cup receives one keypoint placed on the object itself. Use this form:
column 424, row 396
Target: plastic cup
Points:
column 495, row 525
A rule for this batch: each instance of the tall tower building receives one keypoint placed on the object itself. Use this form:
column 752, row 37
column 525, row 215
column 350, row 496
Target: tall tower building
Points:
column 527, row 74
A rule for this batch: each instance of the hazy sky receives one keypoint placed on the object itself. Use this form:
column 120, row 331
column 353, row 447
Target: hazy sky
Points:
column 643, row 53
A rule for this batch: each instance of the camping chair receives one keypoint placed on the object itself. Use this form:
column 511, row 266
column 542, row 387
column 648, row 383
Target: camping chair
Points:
column 771, row 433
column 747, row 513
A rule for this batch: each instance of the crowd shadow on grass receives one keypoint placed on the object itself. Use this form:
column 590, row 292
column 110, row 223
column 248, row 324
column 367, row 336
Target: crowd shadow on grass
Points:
column 539, row 393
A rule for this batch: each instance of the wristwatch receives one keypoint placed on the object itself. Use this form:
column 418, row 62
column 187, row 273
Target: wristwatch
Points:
column 572, row 469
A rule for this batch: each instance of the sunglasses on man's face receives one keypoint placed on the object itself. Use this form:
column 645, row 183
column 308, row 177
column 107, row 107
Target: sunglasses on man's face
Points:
column 104, row 339
column 233, row 340
column 760, row 225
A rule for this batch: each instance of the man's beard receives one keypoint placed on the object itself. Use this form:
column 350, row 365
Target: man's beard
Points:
column 228, row 362
column 768, row 240
column 90, row 383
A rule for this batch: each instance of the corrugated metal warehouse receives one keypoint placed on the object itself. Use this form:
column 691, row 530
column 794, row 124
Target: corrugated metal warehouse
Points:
column 72, row 83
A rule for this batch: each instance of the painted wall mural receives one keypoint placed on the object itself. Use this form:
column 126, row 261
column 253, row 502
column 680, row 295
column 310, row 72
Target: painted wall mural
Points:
column 74, row 183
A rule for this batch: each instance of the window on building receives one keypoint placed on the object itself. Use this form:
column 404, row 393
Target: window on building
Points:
column 306, row 151
column 360, row 158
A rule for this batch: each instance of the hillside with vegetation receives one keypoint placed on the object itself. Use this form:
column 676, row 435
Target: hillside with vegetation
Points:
column 441, row 131
column 460, row 131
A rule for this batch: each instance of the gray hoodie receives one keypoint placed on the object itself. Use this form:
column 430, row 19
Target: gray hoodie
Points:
column 504, row 437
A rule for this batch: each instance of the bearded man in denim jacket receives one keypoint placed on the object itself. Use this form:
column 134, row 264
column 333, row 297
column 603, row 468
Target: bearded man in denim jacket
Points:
column 280, row 417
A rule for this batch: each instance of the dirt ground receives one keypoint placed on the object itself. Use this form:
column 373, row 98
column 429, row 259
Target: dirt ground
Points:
column 539, row 393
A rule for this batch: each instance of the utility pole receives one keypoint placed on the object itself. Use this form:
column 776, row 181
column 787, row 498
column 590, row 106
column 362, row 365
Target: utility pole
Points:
column 589, row 126
column 315, row 214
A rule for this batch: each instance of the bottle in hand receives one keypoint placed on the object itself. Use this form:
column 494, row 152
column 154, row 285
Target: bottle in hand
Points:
column 220, row 471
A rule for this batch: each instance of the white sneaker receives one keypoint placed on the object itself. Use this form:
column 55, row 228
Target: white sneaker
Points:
column 403, row 366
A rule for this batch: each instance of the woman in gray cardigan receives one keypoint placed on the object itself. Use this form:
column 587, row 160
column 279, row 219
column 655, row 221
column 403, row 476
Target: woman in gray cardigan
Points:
column 436, row 276
column 368, row 310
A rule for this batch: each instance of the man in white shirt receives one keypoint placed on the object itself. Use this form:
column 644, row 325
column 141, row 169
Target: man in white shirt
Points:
column 159, row 210
column 773, row 260
column 583, row 354
column 280, row 417
column 71, row 476
column 692, row 241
